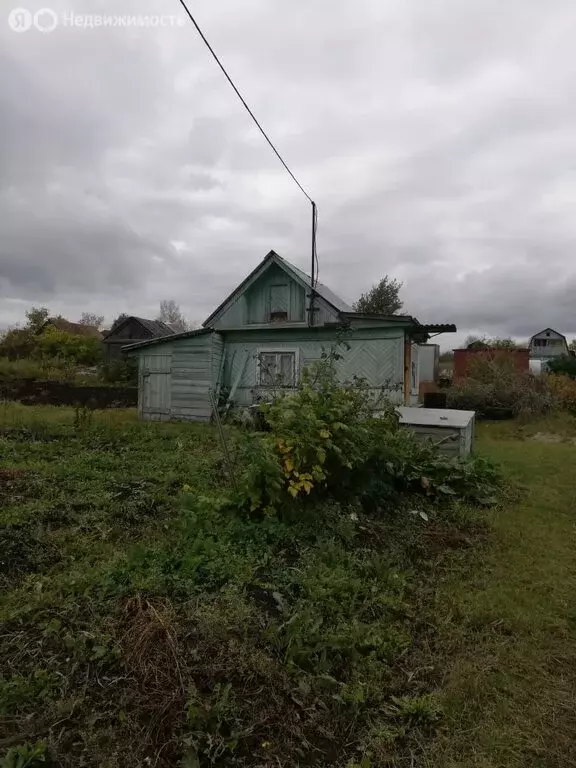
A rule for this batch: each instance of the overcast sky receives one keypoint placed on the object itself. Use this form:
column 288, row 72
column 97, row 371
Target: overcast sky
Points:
column 438, row 139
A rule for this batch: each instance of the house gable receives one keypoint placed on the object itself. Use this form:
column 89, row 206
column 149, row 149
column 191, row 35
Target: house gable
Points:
column 548, row 343
column 275, row 294
column 136, row 329
column 549, row 333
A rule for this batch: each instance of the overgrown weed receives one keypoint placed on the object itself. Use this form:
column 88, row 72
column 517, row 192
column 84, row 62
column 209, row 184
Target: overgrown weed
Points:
column 269, row 627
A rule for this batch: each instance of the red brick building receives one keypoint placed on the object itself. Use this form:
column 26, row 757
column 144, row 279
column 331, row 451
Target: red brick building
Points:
column 464, row 357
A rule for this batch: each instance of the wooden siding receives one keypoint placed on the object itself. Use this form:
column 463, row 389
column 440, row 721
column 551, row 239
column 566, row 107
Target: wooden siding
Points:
column 453, row 430
column 547, row 344
column 252, row 308
column 176, row 377
column 449, row 438
column 192, row 378
column 154, row 383
column 373, row 354
column 275, row 291
column 217, row 363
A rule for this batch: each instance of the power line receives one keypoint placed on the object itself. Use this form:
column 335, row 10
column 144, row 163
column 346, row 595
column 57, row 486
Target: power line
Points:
column 252, row 115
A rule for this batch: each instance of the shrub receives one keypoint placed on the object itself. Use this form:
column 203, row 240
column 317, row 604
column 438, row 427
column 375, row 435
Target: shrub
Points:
column 44, row 370
column 342, row 442
column 53, row 343
column 494, row 388
column 120, row 371
column 17, row 343
column 25, row 756
column 51, row 346
column 565, row 365
column 563, row 388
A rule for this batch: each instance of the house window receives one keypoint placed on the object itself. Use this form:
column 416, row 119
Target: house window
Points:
column 277, row 368
column 278, row 302
column 540, row 342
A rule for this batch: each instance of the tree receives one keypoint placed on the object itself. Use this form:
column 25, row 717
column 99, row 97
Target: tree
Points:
column 18, row 343
column 70, row 348
column 36, row 317
column 382, row 299
column 171, row 314
column 472, row 338
column 120, row 319
column 572, row 345
column 483, row 342
column 88, row 318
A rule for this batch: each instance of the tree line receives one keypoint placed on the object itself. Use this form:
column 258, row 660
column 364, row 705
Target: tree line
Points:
column 27, row 342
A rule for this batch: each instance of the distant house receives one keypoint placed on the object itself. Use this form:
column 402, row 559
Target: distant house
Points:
column 263, row 335
column 129, row 331
column 547, row 344
column 78, row 329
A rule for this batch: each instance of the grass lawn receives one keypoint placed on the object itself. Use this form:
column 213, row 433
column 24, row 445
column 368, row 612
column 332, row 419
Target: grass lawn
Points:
column 509, row 617
column 142, row 625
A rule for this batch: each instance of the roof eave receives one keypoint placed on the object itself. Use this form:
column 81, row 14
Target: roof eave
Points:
column 164, row 339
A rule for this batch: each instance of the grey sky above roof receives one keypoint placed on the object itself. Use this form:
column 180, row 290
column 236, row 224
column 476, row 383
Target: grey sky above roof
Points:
column 438, row 139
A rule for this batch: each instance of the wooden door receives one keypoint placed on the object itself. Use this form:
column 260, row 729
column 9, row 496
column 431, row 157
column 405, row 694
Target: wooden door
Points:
column 155, row 379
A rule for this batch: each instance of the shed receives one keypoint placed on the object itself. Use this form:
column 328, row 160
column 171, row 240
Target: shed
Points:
column 129, row 330
column 176, row 375
column 261, row 338
column 452, row 430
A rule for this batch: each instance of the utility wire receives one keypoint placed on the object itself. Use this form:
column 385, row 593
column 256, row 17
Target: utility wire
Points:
column 227, row 76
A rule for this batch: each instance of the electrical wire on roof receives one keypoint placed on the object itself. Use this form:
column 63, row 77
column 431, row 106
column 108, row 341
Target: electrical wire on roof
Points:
column 314, row 276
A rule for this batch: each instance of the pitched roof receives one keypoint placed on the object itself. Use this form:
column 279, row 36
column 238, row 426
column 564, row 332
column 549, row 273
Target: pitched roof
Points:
column 321, row 289
column 78, row 329
column 164, row 339
column 156, row 327
column 548, row 329
column 301, row 277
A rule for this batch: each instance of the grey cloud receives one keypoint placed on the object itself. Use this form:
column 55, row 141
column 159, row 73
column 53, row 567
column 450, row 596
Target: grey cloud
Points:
column 437, row 139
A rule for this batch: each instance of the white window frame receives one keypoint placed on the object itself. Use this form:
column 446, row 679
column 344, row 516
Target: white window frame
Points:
column 278, row 351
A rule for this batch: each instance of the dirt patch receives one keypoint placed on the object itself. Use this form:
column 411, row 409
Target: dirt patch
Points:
column 33, row 392
column 551, row 438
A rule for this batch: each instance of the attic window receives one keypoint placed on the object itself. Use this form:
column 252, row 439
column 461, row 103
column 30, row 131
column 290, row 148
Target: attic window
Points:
column 278, row 303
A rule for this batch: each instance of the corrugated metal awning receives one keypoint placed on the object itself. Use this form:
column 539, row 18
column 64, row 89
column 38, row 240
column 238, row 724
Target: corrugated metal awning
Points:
column 438, row 328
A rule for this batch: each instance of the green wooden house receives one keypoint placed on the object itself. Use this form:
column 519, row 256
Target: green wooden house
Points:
column 263, row 335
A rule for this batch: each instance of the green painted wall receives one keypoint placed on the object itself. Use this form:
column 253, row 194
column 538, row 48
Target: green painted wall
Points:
column 154, row 364
column 376, row 354
column 177, row 376
column 275, row 290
